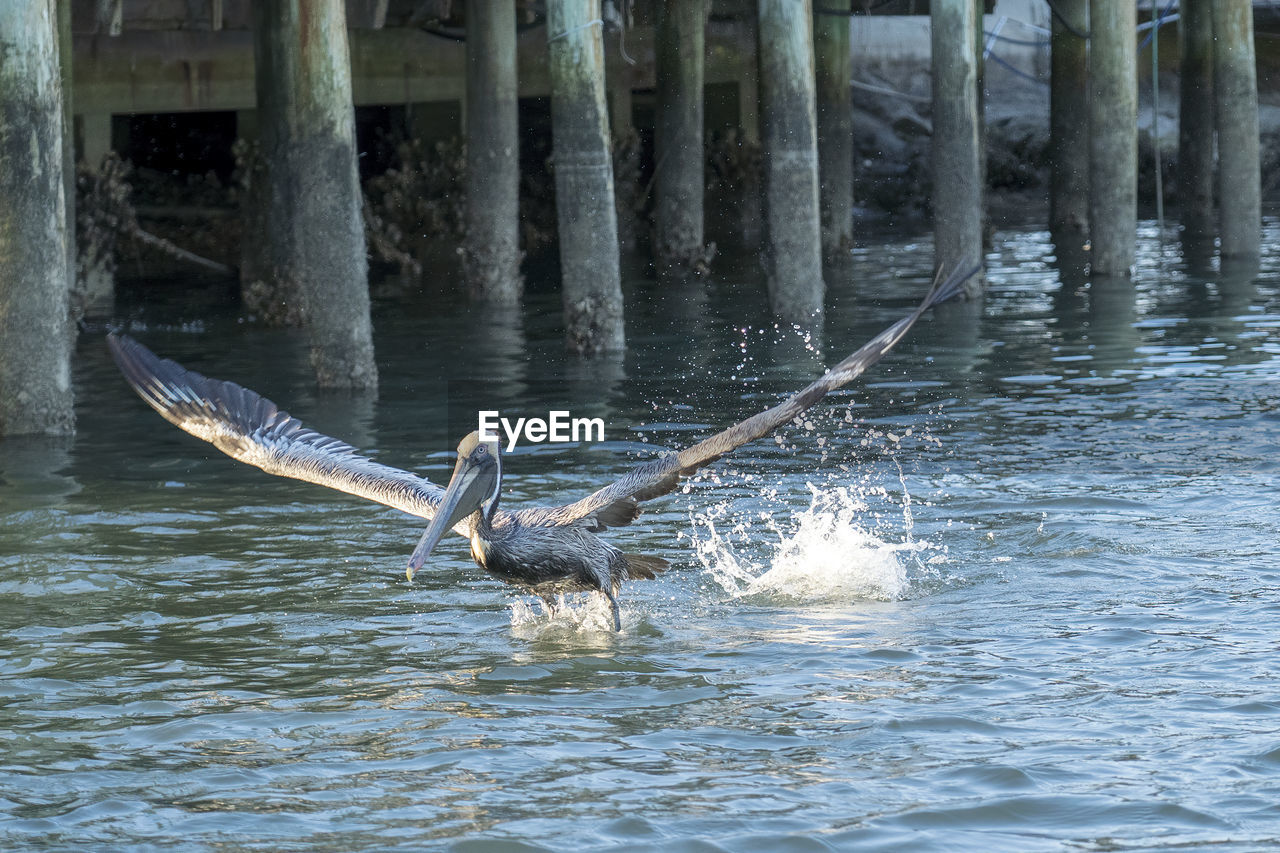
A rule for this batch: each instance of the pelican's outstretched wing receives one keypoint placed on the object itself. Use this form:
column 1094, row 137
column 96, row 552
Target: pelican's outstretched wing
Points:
column 618, row 503
column 249, row 427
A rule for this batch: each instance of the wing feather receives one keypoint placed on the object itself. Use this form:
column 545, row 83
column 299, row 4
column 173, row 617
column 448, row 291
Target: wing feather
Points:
column 250, row 428
column 619, row 502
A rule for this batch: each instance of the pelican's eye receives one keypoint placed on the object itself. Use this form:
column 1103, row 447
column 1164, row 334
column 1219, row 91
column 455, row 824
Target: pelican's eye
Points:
column 480, row 450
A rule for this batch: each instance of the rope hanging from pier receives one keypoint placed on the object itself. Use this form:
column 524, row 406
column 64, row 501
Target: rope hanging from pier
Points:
column 884, row 90
column 599, row 21
column 1156, row 22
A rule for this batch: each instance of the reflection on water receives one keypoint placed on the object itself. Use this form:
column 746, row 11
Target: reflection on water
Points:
column 33, row 471
column 1015, row 590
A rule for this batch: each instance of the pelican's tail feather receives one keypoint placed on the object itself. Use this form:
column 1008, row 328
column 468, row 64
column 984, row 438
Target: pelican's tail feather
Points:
column 644, row 568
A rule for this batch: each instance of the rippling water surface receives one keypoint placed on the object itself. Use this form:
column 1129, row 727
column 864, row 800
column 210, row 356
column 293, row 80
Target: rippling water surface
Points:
column 1020, row 589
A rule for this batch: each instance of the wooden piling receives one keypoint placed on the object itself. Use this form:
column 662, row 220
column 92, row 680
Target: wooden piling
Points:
column 678, row 183
column 492, row 242
column 35, row 333
column 834, row 97
column 94, row 280
column 1235, row 85
column 748, row 205
column 1068, row 123
column 749, row 85
column 956, row 154
column 625, row 148
column 1113, row 148
column 620, row 106
column 65, row 53
column 587, row 220
column 980, row 86
column 316, row 269
column 1195, row 121
column 793, row 250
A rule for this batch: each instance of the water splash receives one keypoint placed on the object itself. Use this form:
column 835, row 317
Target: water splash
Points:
column 852, row 543
column 576, row 614
column 827, row 554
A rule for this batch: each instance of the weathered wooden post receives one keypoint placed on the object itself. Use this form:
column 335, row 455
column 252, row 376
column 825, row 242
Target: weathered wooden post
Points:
column 1195, row 121
column 620, row 107
column 1235, row 86
column 834, row 96
column 750, row 200
column 35, row 332
column 1069, row 123
column 65, row 50
column 625, row 148
column 749, row 82
column 1113, row 136
column 956, row 155
column 793, row 251
column 315, row 269
column 93, row 272
column 678, row 182
column 492, row 244
column 587, row 220
column 980, row 60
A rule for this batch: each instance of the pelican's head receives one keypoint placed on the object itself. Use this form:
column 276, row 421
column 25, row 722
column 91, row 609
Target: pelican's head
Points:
column 474, row 487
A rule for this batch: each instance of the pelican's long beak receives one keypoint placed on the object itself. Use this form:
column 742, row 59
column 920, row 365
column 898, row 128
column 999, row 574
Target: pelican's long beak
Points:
column 469, row 487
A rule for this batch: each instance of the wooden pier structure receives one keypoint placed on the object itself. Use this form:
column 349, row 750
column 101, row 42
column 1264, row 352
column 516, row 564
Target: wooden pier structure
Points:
column 293, row 72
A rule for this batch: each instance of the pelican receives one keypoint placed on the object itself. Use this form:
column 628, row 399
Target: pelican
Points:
column 543, row 550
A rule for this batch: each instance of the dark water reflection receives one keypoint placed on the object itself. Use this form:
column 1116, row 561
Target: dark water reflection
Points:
column 1018, row 590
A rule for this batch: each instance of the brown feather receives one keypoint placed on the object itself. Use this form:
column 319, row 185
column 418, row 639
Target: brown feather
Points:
column 644, row 568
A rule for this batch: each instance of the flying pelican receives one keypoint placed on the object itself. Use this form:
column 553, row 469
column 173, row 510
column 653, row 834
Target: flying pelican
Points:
column 544, row 550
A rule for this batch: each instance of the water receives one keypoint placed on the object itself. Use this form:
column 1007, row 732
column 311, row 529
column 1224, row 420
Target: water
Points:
column 1018, row 590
